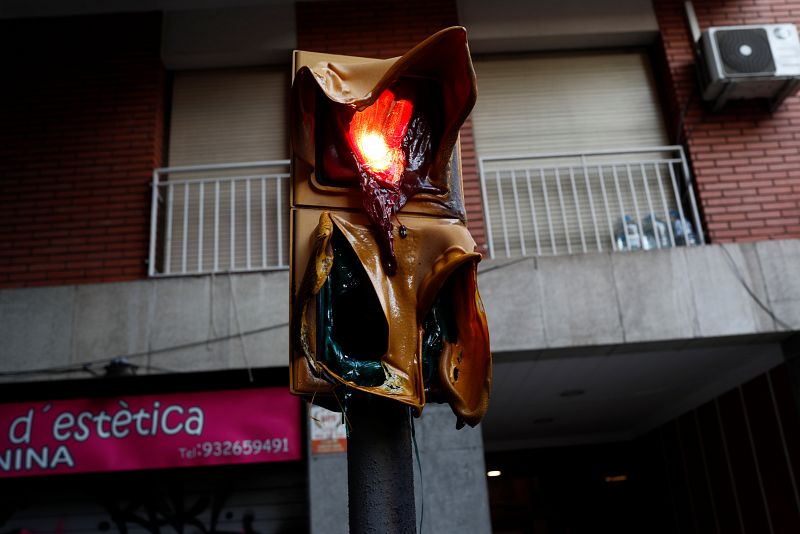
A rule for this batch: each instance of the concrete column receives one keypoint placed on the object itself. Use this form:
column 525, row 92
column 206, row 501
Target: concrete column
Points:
column 451, row 494
column 327, row 493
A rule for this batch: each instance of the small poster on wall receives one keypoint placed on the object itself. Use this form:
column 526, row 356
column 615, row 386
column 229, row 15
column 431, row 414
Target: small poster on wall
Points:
column 327, row 430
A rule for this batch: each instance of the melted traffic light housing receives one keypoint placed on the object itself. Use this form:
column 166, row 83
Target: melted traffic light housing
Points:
column 384, row 296
column 385, row 150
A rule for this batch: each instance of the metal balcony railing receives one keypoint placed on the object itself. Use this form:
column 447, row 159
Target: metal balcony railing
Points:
column 220, row 218
column 577, row 202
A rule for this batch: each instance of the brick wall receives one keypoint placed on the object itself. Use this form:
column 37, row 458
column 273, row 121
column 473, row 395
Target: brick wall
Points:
column 382, row 30
column 746, row 160
column 81, row 129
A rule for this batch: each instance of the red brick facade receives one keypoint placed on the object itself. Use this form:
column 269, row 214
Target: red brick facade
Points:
column 81, row 129
column 383, row 30
column 82, row 121
column 746, row 160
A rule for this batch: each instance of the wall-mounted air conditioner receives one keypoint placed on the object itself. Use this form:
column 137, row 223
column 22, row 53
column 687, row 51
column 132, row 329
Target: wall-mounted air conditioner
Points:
column 758, row 61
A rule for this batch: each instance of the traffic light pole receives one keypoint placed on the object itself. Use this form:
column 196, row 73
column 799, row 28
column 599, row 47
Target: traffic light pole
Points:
column 392, row 127
column 380, row 468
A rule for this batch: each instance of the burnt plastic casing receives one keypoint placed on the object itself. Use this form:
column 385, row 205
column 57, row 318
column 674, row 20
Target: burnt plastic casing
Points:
column 435, row 250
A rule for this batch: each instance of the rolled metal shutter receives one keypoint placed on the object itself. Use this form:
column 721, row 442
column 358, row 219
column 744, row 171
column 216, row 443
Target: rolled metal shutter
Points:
column 229, row 116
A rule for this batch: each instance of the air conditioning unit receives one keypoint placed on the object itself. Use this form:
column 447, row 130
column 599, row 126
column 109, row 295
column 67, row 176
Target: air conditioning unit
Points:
column 758, row 61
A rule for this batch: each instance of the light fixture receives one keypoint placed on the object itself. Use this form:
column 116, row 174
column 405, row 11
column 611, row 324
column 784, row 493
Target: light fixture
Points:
column 617, row 478
column 493, row 473
column 120, row 367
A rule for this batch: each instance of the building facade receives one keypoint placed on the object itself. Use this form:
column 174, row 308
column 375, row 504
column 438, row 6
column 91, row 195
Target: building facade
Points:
column 640, row 273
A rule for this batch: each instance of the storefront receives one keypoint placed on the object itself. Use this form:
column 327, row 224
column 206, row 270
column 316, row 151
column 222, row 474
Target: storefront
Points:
column 135, row 455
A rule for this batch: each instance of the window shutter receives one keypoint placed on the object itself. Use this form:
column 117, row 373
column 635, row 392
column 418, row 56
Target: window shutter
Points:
column 229, row 116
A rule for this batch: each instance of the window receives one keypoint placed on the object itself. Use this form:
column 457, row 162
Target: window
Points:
column 228, row 217
column 566, row 147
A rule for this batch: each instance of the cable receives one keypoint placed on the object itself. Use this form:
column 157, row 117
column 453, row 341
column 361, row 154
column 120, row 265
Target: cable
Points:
column 212, row 326
column 239, row 329
column 756, row 299
column 682, row 119
column 750, row 292
column 419, row 466
column 503, row 266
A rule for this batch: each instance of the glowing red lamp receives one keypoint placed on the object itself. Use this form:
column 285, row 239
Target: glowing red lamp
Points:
column 376, row 135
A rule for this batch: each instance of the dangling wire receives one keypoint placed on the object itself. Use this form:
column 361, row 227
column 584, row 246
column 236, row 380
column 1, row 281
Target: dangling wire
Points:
column 419, row 466
column 239, row 329
column 738, row 274
column 345, row 419
column 212, row 327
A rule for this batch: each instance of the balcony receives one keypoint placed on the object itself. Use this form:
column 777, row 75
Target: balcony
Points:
column 234, row 217
column 220, row 218
column 578, row 202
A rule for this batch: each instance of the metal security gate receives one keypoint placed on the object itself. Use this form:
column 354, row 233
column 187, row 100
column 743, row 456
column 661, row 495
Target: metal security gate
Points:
column 567, row 203
column 225, row 222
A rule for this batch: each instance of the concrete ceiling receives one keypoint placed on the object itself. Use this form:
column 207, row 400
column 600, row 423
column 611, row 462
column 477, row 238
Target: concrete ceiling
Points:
column 538, row 402
column 226, row 33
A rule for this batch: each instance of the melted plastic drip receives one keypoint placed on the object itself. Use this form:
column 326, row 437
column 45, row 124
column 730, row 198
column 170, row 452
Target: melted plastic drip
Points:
column 407, row 133
column 381, row 203
column 418, row 147
column 353, row 333
column 382, row 200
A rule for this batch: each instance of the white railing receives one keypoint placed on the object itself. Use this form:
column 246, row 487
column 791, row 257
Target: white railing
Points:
column 219, row 218
column 577, row 202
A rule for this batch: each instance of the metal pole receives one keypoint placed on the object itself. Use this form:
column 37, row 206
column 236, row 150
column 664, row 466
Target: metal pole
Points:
column 380, row 467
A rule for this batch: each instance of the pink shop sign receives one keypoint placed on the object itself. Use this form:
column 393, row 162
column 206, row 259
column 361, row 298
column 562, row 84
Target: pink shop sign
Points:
column 149, row 432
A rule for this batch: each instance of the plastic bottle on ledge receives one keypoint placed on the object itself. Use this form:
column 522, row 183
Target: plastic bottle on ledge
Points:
column 626, row 234
column 656, row 233
column 683, row 230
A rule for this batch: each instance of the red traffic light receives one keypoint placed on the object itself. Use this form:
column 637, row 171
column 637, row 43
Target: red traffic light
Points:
column 376, row 135
column 383, row 306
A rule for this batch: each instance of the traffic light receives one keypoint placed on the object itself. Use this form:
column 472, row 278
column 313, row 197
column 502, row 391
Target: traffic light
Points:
column 383, row 283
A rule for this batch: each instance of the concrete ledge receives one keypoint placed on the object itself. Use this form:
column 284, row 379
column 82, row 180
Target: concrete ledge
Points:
column 673, row 297
column 168, row 324
column 537, row 307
